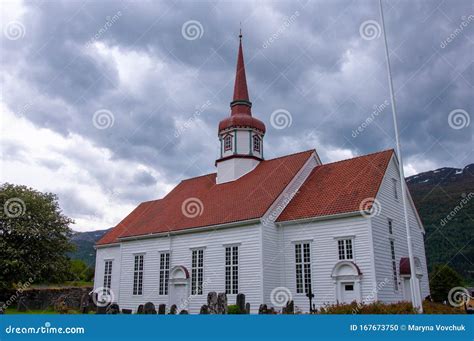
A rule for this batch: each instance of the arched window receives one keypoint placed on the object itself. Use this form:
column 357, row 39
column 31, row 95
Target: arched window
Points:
column 228, row 143
column 256, row 143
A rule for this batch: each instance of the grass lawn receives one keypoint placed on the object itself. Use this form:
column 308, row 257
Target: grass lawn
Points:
column 49, row 311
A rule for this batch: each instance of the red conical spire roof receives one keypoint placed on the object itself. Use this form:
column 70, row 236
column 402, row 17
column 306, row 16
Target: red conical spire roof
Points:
column 240, row 87
column 241, row 114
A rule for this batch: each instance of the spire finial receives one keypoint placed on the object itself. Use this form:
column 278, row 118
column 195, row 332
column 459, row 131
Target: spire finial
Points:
column 240, row 34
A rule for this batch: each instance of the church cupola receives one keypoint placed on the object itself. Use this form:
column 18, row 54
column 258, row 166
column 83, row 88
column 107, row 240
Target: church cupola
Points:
column 240, row 134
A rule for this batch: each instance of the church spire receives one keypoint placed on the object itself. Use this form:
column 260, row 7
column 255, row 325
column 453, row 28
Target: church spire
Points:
column 240, row 103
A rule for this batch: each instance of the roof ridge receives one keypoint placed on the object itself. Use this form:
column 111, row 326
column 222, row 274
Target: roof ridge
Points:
column 356, row 157
column 302, row 152
column 199, row 176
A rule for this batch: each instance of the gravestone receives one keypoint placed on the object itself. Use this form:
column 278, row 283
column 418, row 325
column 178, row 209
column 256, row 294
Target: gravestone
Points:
column 173, row 309
column 222, row 303
column 149, row 308
column 184, row 312
column 289, row 308
column 21, row 306
column 240, row 302
column 101, row 309
column 2, row 310
column 162, row 309
column 247, row 308
column 113, row 309
column 85, row 303
column 263, row 309
column 126, row 311
column 204, row 310
column 140, row 309
column 212, row 302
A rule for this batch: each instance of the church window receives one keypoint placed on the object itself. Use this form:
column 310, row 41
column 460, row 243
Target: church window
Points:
column 164, row 273
column 197, row 271
column 256, row 144
column 138, row 275
column 232, row 269
column 107, row 276
column 394, row 265
column 345, row 249
column 303, row 267
column 228, row 143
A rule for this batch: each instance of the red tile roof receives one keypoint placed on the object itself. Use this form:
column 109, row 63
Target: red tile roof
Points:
column 245, row 198
column 338, row 187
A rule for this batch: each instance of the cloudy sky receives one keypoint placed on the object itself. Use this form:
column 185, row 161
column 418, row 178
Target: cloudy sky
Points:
column 113, row 103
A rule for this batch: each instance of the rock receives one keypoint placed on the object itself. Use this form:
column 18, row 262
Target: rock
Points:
column 212, row 302
column 184, row 312
column 126, row 311
column 173, row 309
column 162, row 309
column 240, row 302
column 21, row 306
column 204, row 310
column 113, row 309
column 140, row 309
column 247, row 308
column 149, row 308
column 263, row 309
column 222, row 303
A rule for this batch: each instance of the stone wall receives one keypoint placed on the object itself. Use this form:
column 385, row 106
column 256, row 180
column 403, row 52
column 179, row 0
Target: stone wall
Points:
column 45, row 297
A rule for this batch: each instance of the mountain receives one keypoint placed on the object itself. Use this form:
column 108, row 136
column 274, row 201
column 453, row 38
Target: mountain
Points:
column 84, row 242
column 445, row 201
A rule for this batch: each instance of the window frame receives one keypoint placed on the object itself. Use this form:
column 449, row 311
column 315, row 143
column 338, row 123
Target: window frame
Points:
column 344, row 255
column 395, row 188
column 303, row 264
column 256, row 144
column 165, row 262
column 137, row 284
column 390, row 226
column 227, row 142
column 231, row 269
column 394, row 264
column 108, row 268
column 197, row 271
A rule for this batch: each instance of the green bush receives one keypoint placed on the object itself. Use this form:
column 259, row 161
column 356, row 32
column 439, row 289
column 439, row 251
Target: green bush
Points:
column 391, row 308
column 234, row 310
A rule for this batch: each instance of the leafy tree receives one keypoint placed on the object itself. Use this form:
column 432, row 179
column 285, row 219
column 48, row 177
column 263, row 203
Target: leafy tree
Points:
column 80, row 271
column 34, row 237
column 442, row 279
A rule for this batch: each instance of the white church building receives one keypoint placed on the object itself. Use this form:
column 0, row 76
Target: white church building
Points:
column 269, row 229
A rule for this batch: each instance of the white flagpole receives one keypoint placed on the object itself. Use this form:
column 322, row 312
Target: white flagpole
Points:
column 414, row 285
